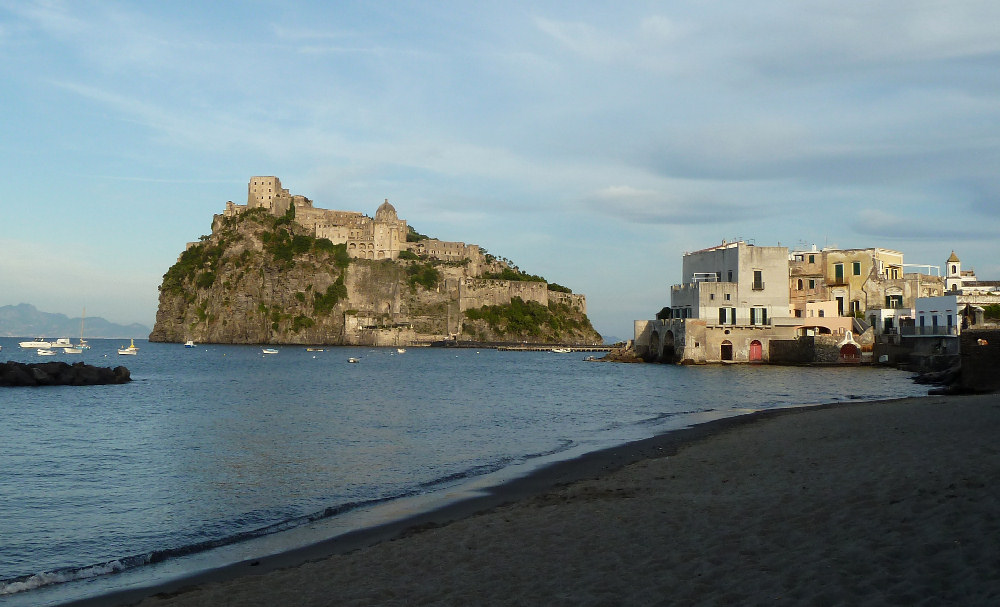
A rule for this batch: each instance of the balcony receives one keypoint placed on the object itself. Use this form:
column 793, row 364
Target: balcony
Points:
column 929, row 331
column 757, row 285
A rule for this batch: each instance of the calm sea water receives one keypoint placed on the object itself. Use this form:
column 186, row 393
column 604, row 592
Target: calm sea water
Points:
column 107, row 486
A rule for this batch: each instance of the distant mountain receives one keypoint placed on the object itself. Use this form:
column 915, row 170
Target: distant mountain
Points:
column 25, row 320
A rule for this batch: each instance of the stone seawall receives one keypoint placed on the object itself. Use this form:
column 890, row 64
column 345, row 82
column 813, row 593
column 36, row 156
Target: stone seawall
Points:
column 980, row 361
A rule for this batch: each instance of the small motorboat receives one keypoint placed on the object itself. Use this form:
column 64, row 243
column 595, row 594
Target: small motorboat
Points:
column 46, row 352
column 314, row 349
column 400, row 350
column 561, row 350
column 269, row 351
column 189, row 344
column 130, row 349
column 353, row 360
column 72, row 350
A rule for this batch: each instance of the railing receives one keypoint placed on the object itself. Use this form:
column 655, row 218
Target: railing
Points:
column 758, row 286
column 925, row 331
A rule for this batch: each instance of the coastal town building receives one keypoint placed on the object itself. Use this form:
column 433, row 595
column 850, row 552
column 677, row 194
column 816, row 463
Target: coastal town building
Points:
column 973, row 295
column 744, row 303
column 732, row 303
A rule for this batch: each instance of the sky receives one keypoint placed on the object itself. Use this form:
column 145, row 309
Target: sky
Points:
column 592, row 143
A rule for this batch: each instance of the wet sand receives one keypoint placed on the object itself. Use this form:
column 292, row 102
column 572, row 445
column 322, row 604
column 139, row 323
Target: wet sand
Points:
column 893, row 502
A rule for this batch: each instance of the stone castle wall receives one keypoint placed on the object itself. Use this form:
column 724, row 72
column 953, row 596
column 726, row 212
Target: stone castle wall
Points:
column 573, row 300
column 475, row 293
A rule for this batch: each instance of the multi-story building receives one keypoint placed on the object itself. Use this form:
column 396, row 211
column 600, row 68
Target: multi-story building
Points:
column 856, row 279
column 733, row 301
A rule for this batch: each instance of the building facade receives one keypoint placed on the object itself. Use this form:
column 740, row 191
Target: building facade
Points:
column 732, row 304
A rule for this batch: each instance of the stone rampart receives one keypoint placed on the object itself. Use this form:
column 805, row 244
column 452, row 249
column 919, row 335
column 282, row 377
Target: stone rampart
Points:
column 573, row 300
column 475, row 293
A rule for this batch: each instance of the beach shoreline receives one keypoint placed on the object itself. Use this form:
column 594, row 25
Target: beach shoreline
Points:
column 566, row 493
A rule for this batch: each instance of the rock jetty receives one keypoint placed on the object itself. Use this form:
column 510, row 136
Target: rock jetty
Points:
column 60, row 374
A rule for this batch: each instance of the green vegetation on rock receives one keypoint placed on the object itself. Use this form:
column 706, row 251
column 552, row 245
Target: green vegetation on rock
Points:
column 323, row 303
column 530, row 318
column 413, row 235
column 425, row 275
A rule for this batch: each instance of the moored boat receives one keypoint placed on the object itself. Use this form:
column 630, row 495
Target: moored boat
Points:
column 352, row 360
column 62, row 342
column 400, row 350
column 130, row 350
column 269, row 351
column 46, row 352
column 189, row 344
column 73, row 350
column 38, row 342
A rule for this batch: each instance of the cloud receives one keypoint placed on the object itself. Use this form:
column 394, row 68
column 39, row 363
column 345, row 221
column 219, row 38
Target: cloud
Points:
column 902, row 226
column 644, row 206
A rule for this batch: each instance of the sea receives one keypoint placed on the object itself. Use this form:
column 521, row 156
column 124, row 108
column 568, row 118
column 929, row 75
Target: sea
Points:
column 215, row 454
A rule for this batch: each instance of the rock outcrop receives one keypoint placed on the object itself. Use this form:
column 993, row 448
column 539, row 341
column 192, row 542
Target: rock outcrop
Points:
column 60, row 374
column 261, row 279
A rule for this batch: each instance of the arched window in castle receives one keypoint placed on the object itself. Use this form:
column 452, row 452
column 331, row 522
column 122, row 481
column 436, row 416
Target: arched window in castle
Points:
column 800, row 284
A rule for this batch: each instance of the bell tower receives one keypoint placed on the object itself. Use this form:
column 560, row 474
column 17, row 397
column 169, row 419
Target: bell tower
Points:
column 953, row 274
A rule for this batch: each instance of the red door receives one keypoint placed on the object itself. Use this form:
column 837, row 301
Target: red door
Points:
column 756, row 351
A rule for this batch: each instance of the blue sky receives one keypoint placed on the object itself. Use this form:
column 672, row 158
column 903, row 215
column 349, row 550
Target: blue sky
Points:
column 590, row 143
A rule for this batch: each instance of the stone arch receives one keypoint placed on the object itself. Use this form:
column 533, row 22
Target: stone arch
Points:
column 756, row 351
column 726, row 350
column 669, row 353
column 653, row 354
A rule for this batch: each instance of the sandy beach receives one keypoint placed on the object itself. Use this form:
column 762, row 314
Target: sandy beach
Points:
column 888, row 503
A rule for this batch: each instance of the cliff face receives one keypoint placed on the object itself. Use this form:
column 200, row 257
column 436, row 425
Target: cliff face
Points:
column 260, row 279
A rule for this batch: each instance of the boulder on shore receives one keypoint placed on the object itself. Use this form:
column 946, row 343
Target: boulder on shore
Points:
column 60, row 374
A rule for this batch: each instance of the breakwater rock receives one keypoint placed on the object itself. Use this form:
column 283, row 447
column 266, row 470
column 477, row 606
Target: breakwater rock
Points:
column 60, row 374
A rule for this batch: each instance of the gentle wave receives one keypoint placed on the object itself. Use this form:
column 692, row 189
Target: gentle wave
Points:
column 118, row 565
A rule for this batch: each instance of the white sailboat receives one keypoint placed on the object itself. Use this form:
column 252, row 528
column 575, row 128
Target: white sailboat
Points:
column 83, row 345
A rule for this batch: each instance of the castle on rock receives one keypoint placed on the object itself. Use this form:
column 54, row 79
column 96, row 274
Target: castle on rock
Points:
column 379, row 237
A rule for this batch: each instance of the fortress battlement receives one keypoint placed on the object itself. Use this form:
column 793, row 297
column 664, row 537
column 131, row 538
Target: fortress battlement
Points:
column 380, row 237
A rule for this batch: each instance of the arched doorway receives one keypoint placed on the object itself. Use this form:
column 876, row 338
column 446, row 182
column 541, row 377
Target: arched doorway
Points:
column 726, row 352
column 756, row 351
column 668, row 347
column 653, row 353
column 849, row 353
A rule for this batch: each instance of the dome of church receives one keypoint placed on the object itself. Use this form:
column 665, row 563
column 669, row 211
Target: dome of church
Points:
column 386, row 212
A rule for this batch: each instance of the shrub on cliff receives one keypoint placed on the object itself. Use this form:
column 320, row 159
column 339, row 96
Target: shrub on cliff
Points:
column 425, row 275
column 514, row 274
column 323, row 303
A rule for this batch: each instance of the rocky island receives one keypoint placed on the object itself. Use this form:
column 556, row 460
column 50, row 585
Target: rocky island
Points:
column 278, row 270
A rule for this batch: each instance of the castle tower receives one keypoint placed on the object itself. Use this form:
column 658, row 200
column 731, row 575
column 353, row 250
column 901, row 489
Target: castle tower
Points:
column 389, row 232
column 953, row 274
column 266, row 192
